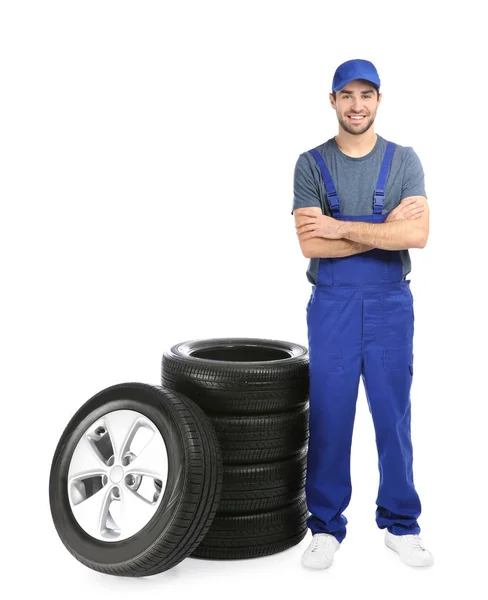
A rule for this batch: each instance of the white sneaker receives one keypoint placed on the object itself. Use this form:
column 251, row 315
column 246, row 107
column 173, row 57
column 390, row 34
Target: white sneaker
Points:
column 410, row 548
column 320, row 553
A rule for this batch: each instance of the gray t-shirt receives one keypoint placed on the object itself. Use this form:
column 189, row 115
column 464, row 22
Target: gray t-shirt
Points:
column 355, row 181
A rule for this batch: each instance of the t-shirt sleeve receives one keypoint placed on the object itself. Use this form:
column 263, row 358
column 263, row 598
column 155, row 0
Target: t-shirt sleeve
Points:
column 413, row 177
column 305, row 192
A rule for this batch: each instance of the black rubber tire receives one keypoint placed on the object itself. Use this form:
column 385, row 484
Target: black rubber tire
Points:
column 263, row 487
column 262, row 438
column 192, row 493
column 238, row 375
column 249, row 536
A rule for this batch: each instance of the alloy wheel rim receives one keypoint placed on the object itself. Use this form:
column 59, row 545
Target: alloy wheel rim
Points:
column 117, row 475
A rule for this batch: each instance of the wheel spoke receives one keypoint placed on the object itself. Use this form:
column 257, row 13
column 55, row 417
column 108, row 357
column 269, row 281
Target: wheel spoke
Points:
column 136, row 511
column 85, row 461
column 152, row 460
column 91, row 513
column 121, row 426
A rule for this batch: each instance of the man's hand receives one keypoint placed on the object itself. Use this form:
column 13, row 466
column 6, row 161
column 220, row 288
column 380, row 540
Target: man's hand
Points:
column 409, row 208
column 313, row 225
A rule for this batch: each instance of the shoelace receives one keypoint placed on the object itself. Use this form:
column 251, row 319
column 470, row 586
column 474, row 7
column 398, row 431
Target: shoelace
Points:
column 414, row 543
column 320, row 539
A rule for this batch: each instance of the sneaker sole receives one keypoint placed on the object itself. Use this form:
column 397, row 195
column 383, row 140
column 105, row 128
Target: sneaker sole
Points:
column 318, row 568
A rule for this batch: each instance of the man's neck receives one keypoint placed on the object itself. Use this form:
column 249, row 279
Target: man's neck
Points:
column 356, row 146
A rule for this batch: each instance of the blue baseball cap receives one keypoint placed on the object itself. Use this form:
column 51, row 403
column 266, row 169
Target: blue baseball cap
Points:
column 355, row 69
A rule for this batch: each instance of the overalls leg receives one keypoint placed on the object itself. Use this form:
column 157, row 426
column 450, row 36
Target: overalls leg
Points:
column 334, row 331
column 387, row 378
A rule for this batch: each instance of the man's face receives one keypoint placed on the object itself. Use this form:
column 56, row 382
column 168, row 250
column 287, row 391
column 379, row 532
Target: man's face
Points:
column 356, row 98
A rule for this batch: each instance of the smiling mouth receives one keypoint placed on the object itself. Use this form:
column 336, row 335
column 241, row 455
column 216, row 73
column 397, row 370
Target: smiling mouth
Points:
column 358, row 118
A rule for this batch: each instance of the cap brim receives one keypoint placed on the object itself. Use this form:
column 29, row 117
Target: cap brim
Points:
column 344, row 83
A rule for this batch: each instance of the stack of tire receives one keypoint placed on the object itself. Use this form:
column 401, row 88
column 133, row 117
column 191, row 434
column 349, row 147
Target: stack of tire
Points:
column 210, row 464
column 255, row 393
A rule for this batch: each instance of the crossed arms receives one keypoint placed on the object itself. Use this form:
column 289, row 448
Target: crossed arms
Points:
column 320, row 236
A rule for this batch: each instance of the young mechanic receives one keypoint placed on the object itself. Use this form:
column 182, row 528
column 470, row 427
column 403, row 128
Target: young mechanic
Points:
column 359, row 204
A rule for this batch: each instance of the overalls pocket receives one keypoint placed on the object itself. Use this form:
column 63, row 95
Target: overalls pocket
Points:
column 398, row 358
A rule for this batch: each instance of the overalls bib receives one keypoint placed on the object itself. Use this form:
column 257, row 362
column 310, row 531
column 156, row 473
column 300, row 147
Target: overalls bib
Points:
column 360, row 321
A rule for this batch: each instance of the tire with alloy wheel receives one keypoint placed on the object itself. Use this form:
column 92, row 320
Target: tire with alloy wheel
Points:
column 135, row 480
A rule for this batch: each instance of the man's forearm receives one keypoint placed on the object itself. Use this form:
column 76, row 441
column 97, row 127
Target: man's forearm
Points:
column 325, row 248
column 395, row 235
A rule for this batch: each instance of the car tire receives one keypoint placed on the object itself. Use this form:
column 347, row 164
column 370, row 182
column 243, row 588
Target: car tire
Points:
column 252, row 535
column 263, row 486
column 91, row 463
column 238, row 376
column 262, row 438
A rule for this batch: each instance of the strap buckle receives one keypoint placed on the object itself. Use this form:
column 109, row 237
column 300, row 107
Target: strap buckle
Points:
column 379, row 197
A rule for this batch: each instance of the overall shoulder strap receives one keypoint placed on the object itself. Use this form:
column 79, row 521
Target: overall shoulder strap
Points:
column 379, row 195
column 332, row 197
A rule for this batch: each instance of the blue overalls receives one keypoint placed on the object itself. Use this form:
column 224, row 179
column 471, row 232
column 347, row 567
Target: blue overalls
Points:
column 360, row 321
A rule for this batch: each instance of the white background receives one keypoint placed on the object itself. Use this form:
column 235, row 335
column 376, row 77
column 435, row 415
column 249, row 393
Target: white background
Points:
column 147, row 157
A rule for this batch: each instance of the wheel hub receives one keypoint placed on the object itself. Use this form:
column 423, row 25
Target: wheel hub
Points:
column 116, row 474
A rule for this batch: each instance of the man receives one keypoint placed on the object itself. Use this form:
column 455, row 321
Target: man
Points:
column 359, row 205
